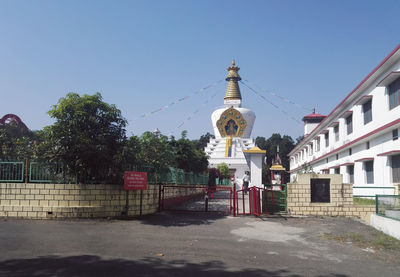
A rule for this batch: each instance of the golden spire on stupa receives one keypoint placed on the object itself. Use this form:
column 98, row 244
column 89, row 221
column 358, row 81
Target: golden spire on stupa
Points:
column 233, row 90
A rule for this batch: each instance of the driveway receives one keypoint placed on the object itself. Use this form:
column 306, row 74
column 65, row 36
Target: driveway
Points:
column 196, row 244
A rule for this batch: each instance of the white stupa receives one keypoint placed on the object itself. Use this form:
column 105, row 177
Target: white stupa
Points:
column 232, row 129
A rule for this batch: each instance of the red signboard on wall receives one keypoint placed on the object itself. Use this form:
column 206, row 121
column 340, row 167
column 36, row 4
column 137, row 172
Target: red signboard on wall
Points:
column 135, row 180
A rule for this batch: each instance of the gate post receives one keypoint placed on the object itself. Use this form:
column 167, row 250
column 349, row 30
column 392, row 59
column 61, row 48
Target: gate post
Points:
column 206, row 202
column 234, row 200
column 26, row 170
column 159, row 197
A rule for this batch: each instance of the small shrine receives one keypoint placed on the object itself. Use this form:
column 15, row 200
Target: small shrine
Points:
column 277, row 170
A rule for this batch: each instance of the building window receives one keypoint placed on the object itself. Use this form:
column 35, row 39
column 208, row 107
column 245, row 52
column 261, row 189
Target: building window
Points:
column 311, row 150
column 337, row 170
column 395, row 134
column 396, row 168
column 367, row 111
column 326, row 139
column 337, row 156
column 394, row 94
column 336, row 131
column 350, row 172
column 367, row 145
column 317, row 144
column 369, row 172
column 350, row 151
column 349, row 124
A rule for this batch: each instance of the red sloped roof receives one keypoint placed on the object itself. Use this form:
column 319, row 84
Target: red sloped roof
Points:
column 313, row 116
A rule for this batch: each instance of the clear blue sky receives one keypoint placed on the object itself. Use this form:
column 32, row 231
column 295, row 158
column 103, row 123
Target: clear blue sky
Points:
column 142, row 55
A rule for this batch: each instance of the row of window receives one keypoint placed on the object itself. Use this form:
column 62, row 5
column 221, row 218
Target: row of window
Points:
column 394, row 101
column 368, row 167
column 301, row 156
column 367, row 111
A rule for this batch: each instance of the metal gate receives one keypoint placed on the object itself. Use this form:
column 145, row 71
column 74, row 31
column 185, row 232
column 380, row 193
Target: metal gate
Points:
column 256, row 201
column 261, row 201
column 196, row 198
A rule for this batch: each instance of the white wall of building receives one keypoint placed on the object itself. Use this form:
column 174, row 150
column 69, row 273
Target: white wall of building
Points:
column 378, row 133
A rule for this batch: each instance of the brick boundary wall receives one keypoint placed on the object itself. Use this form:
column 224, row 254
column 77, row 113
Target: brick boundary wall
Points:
column 341, row 196
column 46, row 201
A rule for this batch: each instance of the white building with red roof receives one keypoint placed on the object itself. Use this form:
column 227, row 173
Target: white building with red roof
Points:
column 359, row 139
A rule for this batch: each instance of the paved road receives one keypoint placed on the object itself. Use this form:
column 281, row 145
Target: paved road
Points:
column 189, row 244
column 219, row 201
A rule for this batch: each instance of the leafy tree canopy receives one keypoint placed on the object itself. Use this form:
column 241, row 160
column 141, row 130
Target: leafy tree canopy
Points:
column 87, row 134
column 156, row 151
column 187, row 156
column 224, row 170
column 201, row 143
column 17, row 143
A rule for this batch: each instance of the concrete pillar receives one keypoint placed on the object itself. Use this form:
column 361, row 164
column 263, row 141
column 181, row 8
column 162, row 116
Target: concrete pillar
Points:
column 254, row 158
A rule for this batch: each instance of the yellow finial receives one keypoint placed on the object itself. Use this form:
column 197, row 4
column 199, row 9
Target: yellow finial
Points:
column 233, row 90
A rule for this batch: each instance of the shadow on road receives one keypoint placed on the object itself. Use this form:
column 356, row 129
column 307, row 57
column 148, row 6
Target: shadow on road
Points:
column 182, row 218
column 87, row 265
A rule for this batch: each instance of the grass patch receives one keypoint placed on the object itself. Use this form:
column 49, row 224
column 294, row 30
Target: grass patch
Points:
column 377, row 240
column 339, row 238
column 363, row 201
column 387, row 242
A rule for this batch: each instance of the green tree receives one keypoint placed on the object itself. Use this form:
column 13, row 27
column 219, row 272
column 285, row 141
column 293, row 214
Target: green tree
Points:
column 299, row 139
column 156, row 151
column 224, row 170
column 87, row 135
column 130, row 155
column 201, row 143
column 17, row 143
column 187, row 157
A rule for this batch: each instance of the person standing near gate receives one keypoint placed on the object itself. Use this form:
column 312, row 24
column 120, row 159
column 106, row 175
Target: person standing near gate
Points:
column 246, row 180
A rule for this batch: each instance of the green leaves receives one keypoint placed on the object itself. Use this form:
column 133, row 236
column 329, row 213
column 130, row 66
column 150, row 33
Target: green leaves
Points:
column 224, row 170
column 87, row 135
column 88, row 139
column 17, row 143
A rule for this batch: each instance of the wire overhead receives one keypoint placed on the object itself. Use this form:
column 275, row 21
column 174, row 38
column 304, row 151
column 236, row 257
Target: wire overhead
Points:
column 272, row 104
column 278, row 96
column 177, row 101
column 194, row 113
column 246, row 83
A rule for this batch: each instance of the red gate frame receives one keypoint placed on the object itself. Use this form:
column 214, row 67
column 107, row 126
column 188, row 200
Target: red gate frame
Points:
column 254, row 202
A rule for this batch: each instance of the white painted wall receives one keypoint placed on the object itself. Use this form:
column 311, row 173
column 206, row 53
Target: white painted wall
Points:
column 380, row 142
column 389, row 226
column 256, row 161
